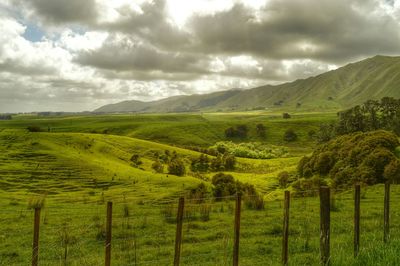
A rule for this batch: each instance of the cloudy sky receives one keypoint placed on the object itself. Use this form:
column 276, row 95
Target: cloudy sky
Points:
column 76, row 55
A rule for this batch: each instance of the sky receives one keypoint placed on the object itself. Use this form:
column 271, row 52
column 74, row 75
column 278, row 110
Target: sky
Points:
column 74, row 55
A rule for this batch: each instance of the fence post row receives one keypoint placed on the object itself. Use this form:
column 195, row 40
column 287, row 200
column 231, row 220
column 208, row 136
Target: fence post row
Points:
column 108, row 234
column 178, row 236
column 285, row 242
column 35, row 246
column 325, row 209
column 386, row 212
column 356, row 220
column 237, row 230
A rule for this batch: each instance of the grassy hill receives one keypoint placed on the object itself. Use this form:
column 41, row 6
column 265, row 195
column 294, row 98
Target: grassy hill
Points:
column 372, row 78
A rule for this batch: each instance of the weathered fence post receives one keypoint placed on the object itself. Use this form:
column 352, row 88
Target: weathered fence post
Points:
column 386, row 213
column 285, row 243
column 356, row 220
column 35, row 246
column 325, row 209
column 237, row 230
column 108, row 234
column 178, row 237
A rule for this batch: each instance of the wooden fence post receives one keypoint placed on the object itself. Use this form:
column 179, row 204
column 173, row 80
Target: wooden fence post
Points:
column 35, row 246
column 356, row 220
column 237, row 230
column 178, row 237
column 108, row 234
column 386, row 213
column 285, row 243
column 325, row 208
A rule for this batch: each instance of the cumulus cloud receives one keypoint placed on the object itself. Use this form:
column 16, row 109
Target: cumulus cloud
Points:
column 94, row 52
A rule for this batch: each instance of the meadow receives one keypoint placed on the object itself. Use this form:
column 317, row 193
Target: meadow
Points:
column 78, row 163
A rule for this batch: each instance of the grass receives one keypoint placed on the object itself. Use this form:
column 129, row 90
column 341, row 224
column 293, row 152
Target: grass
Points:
column 84, row 161
column 145, row 233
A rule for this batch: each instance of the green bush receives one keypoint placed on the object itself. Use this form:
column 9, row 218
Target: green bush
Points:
column 176, row 167
column 290, row 135
column 366, row 158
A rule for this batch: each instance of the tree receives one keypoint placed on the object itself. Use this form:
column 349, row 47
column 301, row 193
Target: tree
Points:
column 290, row 135
column 201, row 164
column 261, row 130
column 392, row 171
column 176, row 167
column 286, row 115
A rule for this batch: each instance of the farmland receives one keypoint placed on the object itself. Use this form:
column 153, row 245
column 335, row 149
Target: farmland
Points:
column 76, row 164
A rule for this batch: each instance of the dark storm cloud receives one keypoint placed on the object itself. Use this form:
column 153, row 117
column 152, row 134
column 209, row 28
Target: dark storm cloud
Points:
column 122, row 53
column 334, row 31
column 62, row 11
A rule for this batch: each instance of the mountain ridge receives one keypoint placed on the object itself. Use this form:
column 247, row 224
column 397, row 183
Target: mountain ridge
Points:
column 354, row 83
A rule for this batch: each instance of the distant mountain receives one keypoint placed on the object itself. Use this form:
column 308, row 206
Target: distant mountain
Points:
column 372, row 78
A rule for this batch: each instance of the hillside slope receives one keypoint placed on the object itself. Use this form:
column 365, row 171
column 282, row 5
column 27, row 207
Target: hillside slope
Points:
column 372, row 78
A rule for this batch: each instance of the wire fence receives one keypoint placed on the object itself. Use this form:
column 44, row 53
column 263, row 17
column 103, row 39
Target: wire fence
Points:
column 145, row 233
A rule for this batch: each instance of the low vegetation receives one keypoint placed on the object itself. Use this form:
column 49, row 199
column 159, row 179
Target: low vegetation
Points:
column 366, row 158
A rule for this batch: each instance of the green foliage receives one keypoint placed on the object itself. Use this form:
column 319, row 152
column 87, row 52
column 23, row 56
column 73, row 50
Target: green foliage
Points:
column 371, row 115
column 176, row 167
column 356, row 158
column 392, row 171
column 261, row 130
column 158, row 166
column 239, row 132
column 34, row 129
column 200, row 164
column 286, row 116
column 290, row 135
column 283, row 179
column 255, row 150
column 135, row 160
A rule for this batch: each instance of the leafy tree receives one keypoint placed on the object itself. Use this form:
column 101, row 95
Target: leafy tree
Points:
column 201, row 164
column 176, row 167
column 392, row 171
column 367, row 158
column 286, row 115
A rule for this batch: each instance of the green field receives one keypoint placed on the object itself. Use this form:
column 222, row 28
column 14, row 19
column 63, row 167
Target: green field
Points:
column 78, row 163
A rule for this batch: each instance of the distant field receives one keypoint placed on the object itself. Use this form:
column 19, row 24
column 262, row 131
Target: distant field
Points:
column 181, row 129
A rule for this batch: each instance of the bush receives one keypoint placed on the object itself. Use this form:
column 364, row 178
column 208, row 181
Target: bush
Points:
column 239, row 132
column 176, row 167
column 158, row 166
column 290, row 135
column 34, row 129
column 261, row 130
column 366, row 158
column 283, row 179
column 286, row 115
column 135, row 159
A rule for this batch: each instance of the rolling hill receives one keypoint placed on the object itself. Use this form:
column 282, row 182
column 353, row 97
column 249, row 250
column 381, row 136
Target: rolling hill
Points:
column 372, row 78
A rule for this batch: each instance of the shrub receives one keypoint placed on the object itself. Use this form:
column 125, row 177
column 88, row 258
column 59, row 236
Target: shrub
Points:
column 366, row 158
column 283, row 179
column 34, row 129
column 261, row 130
column 392, row 171
column 135, row 159
column 176, row 167
column 158, row 166
column 286, row 115
column 290, row 135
